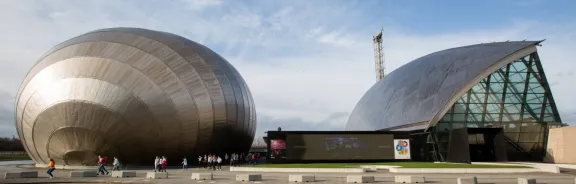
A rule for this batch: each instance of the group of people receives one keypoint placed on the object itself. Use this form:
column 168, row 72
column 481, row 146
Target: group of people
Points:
column 210, row 161
column 160, row 164
column 101, row 166
column 102, row 161
column 215, row 162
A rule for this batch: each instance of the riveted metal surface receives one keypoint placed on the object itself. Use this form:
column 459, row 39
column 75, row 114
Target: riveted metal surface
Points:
column 417, row 91
column 138, row 94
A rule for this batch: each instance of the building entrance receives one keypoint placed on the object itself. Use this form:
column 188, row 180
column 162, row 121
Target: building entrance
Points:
column 477, row 145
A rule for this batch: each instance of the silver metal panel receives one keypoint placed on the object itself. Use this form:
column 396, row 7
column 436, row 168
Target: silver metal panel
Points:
column 135, row 94
column 417, row 91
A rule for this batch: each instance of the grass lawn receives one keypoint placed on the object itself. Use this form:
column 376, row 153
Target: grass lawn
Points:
column 9, row 158
column 401, row 164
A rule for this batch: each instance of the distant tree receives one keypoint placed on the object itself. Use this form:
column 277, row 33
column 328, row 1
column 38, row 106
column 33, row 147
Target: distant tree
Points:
column 11, row 144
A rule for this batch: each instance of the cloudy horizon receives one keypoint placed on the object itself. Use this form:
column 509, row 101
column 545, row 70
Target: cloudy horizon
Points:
column 307, row 63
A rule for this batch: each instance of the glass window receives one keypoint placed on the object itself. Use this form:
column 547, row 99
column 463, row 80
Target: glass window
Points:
column 513, row 98
column 489, row 124
column 511, row 126
column 519, row 66
column 492, row 108
column 474, row 117
column 530, row 137
column 447, row 117
column 548, row 109
column 475, row 108
column 511, row 117
column 496, row 87
column 459, row 117
column 534, row 67
column 493, row 117
column 533, row 79
column 512, row 136
column 463, row 99
column 535, row 88
column 530, row 117
column 516, row 77
column 535, row 98
column 498, row 76
column 479, row 88
column 457, row 125
column 548, row 118
column 477, row 97
column 516, row 87
column 494, row 98
column 512, row 108
column 459, row 108
column 444, row 126
column 473, row 124
column 527, row 146
column 532, row 127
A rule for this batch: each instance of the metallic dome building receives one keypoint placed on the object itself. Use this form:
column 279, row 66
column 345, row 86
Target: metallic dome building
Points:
column 135, row 94
column 491, row 85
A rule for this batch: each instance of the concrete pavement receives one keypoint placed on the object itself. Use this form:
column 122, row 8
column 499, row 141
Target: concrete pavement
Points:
column 225, row 177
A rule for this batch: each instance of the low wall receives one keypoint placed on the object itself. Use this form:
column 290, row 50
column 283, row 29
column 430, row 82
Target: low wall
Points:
column 463, row 170
column 540, row 167
column 321, row 170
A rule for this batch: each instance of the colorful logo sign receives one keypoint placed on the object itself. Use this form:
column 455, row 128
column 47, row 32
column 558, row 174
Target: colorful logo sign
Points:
column 402, row 149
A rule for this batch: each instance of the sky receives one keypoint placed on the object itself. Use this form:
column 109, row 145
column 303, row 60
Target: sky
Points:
column 306, row 62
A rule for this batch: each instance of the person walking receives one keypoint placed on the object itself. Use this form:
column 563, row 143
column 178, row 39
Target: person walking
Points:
column 102, row 166
column 199, row 161
column 205, row 161
column 219, row 161
column 164, row 163
column 226, row 158
column 51, row 167
column 184, row 164
column 116, row 164
column 157, row 164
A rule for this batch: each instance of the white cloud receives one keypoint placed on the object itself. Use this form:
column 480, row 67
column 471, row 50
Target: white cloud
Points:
column 201, row 4
column 306, row 64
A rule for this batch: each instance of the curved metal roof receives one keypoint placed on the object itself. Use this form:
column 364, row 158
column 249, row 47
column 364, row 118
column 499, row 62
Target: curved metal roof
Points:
column 420, row 90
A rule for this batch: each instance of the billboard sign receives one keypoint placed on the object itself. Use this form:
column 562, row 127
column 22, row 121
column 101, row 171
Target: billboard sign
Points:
column 401, row 149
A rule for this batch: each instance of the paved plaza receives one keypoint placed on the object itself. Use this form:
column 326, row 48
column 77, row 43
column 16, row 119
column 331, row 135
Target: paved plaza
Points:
column 225, row 176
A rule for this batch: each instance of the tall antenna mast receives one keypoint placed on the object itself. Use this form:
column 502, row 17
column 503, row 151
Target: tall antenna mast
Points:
column 379, row 56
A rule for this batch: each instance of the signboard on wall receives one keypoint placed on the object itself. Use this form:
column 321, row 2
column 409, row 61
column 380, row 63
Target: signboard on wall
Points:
column 401, row 149
column 278, row 148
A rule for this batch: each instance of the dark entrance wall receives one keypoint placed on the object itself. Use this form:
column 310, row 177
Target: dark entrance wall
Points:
column 476, row 145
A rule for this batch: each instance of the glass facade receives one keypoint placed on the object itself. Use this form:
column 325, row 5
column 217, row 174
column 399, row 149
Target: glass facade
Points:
column 516, row 98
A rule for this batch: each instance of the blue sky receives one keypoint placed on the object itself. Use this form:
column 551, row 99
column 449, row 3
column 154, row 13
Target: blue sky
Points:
column 306, row 62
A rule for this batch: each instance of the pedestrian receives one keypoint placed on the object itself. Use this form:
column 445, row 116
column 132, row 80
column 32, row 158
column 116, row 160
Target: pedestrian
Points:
column 219, row 160
column 164, row 163
column 199, row 161
column 102, row 166
column 184, row 164
column 226, row 158
column 157, row 164
column 205, row 161
column 209, row 162
column 51, row 167
column 116, row 164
